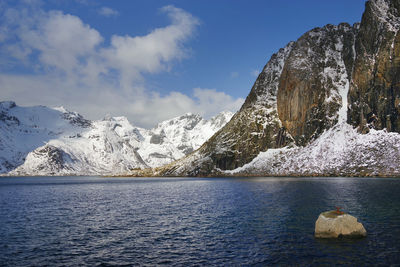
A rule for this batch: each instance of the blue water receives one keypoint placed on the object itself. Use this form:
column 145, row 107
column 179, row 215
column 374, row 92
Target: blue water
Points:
column 73, row 221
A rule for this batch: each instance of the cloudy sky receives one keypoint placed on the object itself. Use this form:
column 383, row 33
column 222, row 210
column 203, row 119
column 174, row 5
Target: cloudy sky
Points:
column 148, row 60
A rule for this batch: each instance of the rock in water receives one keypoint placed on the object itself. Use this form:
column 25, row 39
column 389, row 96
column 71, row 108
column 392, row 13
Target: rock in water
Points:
column 330, row 224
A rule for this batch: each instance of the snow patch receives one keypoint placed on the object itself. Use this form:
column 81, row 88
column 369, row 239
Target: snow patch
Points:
column 340, row 150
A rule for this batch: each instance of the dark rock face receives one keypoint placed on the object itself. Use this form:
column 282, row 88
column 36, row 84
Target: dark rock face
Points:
column 55, row 158
column 76, row 119
column 375, row 89
column 314, row 73
column 158, row 138
column 9, row 120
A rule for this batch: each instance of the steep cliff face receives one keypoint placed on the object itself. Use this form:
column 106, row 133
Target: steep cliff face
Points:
column 315, row 80
column 329, row 77
column 375, row 88
column 301, row 92
column 254, row 128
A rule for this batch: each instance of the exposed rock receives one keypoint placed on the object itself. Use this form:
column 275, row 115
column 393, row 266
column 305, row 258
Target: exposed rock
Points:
column 76, row 119
column 50, row 160
column 375, row 88
column 312, row 81
column 330, row 224
column 157, row 139
column 253, row 129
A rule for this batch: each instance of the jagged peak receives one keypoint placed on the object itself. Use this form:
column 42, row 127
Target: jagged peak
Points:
column 319, row 32
column 265, row 87
column 188, row 115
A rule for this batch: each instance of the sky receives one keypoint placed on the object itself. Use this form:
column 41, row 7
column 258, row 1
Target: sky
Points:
column 149, row 60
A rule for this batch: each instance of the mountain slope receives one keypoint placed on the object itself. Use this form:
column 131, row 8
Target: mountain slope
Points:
column 339, row 151
column 296, row 97
column 54, row 141
column 312, row 88
column 175, row 138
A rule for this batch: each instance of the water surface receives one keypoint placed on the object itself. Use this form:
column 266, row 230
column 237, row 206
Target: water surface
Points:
column 70, row 221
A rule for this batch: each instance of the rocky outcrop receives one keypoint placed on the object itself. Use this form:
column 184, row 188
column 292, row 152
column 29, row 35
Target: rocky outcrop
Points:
column 375, row 88
column 50, row 160
column 330, row 224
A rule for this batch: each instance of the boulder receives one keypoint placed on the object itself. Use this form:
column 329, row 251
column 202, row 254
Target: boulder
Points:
column 331, row 224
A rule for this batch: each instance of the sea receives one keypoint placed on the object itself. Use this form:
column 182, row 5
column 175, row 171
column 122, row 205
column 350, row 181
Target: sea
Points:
column 100, row 221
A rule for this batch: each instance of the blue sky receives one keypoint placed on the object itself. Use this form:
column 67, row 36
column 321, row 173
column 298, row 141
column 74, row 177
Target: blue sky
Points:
column 149, row 60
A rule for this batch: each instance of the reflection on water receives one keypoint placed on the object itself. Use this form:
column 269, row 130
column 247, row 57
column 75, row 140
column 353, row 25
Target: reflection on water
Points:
column 186, row 221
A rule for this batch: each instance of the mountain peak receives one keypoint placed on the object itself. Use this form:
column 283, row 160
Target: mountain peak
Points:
column 55, row 141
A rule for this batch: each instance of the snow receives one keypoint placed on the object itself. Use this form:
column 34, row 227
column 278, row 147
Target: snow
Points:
column 338, row 77
column 340, row 150
column 178, row 137
column 53, row 141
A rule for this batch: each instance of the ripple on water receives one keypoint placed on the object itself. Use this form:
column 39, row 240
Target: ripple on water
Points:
column 253, row 221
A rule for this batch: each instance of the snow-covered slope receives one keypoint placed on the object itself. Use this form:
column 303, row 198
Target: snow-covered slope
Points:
column 175, row 138
column 23, row 129
column 53, row 141
column 339, row 151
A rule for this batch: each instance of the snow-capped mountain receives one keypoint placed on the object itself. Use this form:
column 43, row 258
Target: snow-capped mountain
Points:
column 175, row 138
column 53, row 141
column 326, row 104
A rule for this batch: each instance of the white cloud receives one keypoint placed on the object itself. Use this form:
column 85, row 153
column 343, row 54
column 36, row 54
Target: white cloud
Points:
column 145, row 109
column 108, row 12
column 211, row 101
column 70, row 64
column 63, row 41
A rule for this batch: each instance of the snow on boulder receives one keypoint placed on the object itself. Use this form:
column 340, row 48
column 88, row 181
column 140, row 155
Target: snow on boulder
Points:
column 334, row 224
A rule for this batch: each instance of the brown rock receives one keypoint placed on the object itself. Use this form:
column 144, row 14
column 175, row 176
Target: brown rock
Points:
column 375, row 90
column 316, row 68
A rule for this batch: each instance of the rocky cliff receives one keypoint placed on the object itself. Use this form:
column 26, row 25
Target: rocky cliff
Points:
column 375, row 84
column 330, row 77
column 312, row 92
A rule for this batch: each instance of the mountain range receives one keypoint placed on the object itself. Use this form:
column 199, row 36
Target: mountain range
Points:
column 327, row 104
column 54, row 141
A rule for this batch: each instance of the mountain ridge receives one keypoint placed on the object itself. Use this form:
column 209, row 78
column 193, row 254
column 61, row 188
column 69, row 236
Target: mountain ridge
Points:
column 54, row 141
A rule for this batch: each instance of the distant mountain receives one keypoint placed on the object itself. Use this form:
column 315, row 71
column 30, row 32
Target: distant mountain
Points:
column 53, row 141
column 326, row 104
